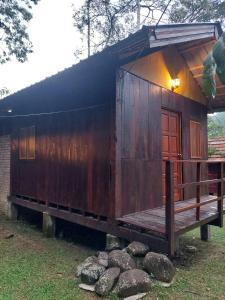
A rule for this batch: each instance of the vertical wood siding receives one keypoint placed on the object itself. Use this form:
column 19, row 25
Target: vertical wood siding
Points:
column 72, row 162
column 76, row 165
column 139, row 151
column 139, row 104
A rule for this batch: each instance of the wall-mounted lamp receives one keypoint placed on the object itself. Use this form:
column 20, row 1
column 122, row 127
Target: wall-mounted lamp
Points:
column 9, row 110
column 175, row 83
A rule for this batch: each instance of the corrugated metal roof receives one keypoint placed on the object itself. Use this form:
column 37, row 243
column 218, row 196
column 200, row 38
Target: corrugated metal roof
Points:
column 148, row 39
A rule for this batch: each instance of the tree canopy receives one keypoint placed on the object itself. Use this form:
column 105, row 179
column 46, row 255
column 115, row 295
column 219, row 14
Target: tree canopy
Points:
column 214, row 64
column 14, row 39
column 104, row 22
column 187, row 11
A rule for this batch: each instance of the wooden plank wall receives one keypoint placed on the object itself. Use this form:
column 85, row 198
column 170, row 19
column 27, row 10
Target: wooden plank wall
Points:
column 139, row 106
column 74, row 147
column 139, row 103
column 72, row 164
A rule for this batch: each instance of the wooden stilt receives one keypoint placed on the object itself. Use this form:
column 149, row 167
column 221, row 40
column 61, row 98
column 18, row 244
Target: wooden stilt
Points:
column 170, row 208
column 205, row 232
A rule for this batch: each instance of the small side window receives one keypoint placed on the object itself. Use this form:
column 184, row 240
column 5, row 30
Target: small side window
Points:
column 27, row 143
column 195, row 140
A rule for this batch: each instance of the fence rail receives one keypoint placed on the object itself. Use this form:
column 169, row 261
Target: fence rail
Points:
column 171, row 211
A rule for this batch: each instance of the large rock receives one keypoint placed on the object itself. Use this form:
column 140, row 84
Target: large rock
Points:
column 133, row 282
column 136, row 297
column 122, row 260
column 86, row 287
column 103, row 258
column 88, row 261
column 137, row 249
column 114, row 243
column 159, row 266
column 91, row 273
column 107, row 281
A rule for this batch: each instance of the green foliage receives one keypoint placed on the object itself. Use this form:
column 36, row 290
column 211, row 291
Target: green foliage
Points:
column 219, row 56
column 211, row 151
column 214, row 64
column 215, row 129
column 209, row 76
column 14, row 16
column 220, row 119
column 35, row 268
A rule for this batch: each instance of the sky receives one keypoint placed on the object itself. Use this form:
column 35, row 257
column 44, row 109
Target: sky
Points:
column 54, row 41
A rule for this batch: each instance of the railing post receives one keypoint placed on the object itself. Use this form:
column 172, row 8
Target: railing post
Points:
column 170, row 219
column 220, row 186
column 198, row 192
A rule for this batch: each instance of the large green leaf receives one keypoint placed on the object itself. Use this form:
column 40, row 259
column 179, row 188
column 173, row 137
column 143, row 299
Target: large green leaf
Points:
column 219, row 56
column 209, row 74
column 214, row 64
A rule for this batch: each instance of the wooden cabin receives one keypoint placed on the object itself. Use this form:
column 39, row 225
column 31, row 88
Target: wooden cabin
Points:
column 118, row 142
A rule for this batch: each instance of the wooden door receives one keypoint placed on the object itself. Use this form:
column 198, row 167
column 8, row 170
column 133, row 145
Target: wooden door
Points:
column 171, row 148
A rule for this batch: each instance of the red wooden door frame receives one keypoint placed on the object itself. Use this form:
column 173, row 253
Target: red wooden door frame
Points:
column 171, row 147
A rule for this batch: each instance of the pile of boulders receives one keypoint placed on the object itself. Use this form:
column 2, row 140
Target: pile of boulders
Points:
column 127, row 272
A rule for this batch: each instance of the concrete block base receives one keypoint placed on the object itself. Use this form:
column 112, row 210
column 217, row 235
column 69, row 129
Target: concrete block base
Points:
column 113, row 242
column 12, row 211
column 48, row 225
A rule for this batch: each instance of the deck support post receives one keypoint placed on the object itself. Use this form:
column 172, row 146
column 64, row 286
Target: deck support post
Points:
column 12, row 212
column 170, row 218
column 177, row 246
column 205, row 232
column 198, row 192
column 114, row 242
column 220, row 190
column 48, row 225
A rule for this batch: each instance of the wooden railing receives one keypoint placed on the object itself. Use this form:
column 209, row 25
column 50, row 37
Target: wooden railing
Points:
column 171, row 211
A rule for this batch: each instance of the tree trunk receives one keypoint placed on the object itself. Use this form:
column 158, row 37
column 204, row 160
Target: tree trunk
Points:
column 89, row 27
column 138, row 14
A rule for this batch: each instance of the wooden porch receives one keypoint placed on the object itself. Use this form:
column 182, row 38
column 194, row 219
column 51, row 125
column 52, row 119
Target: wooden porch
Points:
column 154, row 220
column 175, row 218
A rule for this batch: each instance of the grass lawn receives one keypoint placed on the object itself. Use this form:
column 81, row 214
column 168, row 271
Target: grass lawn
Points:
column 35, row 268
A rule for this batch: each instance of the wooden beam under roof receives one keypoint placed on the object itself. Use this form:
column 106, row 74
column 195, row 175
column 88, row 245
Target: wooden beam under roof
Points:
column 196, row 68
column 191, row 48
column 198, row 75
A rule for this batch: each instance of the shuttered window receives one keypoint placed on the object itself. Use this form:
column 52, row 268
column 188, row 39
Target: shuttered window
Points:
column 195, row 139
column 27, row 143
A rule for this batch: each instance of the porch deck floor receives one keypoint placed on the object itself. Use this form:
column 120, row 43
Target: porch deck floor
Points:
column 153, row 220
